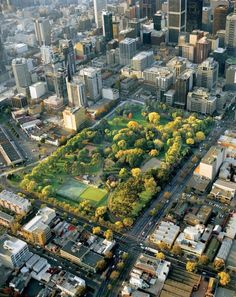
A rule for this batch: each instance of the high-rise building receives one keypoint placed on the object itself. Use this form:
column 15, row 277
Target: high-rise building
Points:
column 2, row 57
column 74, row 118
column 231, row 78
column 230, row 35
column 127, row 50
column 42, row 29
column 142, row 60
column 21, row 74
column 107, row 27
column 184, row 83
column 207, row 74
column 67, row 49
column 148, row 8
column 219, row 18
column 76, row 92
column 46, row 54
column 59, row 82
column 176, row 11
column 206, row 19
column 92, row 78
column 194, row 15
column 99, row 5
column 14, row 252
column 203, row 48
column 158, row 20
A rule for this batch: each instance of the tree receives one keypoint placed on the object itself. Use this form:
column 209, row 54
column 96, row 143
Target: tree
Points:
column 101, row 265
column 128, row 222
column 96, row 230
column 166, row 195
column 114, row 275
column 160, row 256
column 191, row 266
column 123, row 173
column 132, row 125
column 162, row 246
column 219, row 264
column 108, row 234
column 224, row 278
column 203, row 260
column 190, row 141
column 136, row 172
column 100, row 211
column 200, row 136
column 176, row 250
column 120, row 265
column 154, row 117
column 119, row 225
column 153, row 153
column 80, row 291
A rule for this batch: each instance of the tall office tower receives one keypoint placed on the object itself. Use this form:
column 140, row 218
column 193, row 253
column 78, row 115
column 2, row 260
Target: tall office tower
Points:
column 42, row 29
column 2, row 57
column 46, row 54
column 142, row 60
column 184, row 83
column 59, row 81
column 194, row 15
column 148, row 8
column 67, row 49
column 206, row 19
column 231, row 78
column 107, row 28
column 76, row 92
column 207, row 74
column 158, row 20
column 21, row 74
column 127, row 50
column 203, row 48
column 219, row 18
column 230, row 35
column 116, row 29
column 99, row 5
column 92, row 78
column 176, row 11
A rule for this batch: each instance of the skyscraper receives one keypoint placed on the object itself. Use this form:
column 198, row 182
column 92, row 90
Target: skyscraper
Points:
column 76, row 92
column 176, row 11
column 67, row 49
column 42, row 29
column 92, row 79
column 99, row 5
column 2, row 57
column 21, row 74
column 206, row 18
column 230, row 35
column 219, row 18
column 148, row 8
column 107, row 27
column 207, row 74
column 194, row 15
column 158, row 20
column 59, row 81
column 127, row 50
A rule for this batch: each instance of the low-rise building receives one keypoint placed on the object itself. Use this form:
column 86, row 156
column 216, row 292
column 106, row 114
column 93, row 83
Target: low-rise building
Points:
column 202, row 101
column 14, row 202
column 6, row 219
column 165, row 233
column 74, row 118
column 224, row 249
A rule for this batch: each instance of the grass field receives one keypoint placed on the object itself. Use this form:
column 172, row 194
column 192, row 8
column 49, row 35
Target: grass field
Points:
column 73, row 192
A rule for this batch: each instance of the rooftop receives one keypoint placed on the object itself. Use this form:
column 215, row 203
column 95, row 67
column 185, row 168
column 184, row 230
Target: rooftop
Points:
column 10, row 245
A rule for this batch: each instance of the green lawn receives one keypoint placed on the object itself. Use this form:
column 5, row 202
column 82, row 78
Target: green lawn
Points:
column 74, row 191
column 96, row 196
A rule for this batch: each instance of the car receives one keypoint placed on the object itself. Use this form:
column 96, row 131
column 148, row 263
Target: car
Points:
column 143, row 232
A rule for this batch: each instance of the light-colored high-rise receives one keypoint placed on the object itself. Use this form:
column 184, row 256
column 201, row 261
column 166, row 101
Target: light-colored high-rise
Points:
column 92, row 77
column 42, row 29
column 230, row 35
column 207, row 74
column 21, row 74
column 142, row 60
column 76, row 92
column 127, row 50
column 99, row 5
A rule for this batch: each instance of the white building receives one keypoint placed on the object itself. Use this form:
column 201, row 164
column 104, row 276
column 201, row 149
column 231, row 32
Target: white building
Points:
column 110, row 94
column 76, row 92
column 166, row 233
column 38, row 89
column 142, row 60
column 211, row 162
column 92, row 78
column 127, row 50
column 13, row 252
column 14, row 202
column 99, row 5
column 207, row 74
